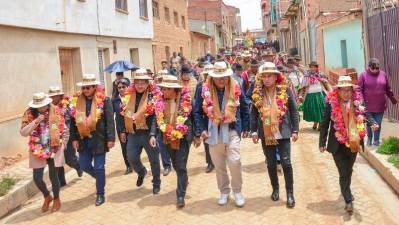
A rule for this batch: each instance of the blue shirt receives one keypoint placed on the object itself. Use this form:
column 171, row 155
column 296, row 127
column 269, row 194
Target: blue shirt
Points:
column 87, row 141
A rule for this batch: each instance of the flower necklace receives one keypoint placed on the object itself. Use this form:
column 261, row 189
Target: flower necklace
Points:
column 35, row 139
column 341, row 132
column 179, row 129
column 150, row 109
column 100, row 97
column 63, row 105
column 281, row 96
column 208, row 104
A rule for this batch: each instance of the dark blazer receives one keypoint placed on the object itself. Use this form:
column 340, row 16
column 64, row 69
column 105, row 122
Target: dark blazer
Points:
column 120, row 120
column 289, row 125
column 327, row 127
column 105, row 130
column 201, row 119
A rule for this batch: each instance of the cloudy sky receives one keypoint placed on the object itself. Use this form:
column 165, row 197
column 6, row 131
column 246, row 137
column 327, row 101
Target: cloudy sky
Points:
column 250, row 13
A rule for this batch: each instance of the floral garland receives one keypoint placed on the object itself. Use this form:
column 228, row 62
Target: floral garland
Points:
column 100, row 97
column 281, row 96
column 150, row 109
column 207, row 104
column 35, row 144
column 341, row 133
column 179, row 129
column 63, row 105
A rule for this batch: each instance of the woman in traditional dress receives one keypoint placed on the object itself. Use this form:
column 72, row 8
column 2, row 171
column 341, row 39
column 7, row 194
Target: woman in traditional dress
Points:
column 48, row 136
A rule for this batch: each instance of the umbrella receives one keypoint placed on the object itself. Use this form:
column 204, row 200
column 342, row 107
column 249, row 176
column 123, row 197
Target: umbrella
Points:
column 120, row 66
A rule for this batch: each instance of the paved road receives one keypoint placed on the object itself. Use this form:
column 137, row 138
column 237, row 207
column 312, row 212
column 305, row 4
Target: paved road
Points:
column 318, row 199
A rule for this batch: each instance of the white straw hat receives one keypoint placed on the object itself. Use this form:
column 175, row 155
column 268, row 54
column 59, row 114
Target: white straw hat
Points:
column 268, row 67
column 39, row 100
column 170, row 81
column 207, row 69
column 220, row 70
column 141, row 74
column 88, row 80
column 54, row 91
column 344, row 81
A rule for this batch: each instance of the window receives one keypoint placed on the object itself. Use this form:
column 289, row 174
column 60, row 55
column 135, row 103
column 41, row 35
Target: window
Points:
column 167, row 53
column 167, row 15
column 143, row 8
column 176, row 19
column 181, row 50
column 155, row 9
column 121, row 5
column 344, row 54
column 183, row 22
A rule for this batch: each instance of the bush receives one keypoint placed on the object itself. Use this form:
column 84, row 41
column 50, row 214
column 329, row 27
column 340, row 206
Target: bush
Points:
column 6, row 184
column 389, row 146
column 394, row 159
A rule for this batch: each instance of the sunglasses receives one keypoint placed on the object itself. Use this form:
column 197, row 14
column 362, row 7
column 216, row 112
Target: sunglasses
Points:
column 87, row 87
column 122, row 87
column 375, row 68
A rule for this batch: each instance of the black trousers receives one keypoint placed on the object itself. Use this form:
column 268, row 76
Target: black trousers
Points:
column 179, row 162
column 136, row 143
column 207, row 154
column 71, row 160
column 284, row 149
column 53, row 174
column 344, row 160
column 124, row 147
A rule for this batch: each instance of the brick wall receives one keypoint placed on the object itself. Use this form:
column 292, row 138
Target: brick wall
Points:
column 168, row 34
column 200, row 44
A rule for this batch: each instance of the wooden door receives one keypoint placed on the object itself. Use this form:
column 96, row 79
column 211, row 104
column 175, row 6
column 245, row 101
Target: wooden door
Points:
column 66, row 66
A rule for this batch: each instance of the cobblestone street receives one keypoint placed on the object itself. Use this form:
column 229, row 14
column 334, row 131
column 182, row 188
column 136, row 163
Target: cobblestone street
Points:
column 316, row 190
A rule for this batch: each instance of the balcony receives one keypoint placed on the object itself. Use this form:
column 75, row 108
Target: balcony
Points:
column 292, row 9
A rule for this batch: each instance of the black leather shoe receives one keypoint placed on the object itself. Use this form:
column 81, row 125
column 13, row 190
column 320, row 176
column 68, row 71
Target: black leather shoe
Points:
column 128, row 170
column 166, row 171
column 100, row 200
column 156, row 190
column 62, row 184
column 209, row 168
column 140, row 179
column 349, row 207
column 290, row 199
column 275, row 194
column 180, row 202
column 79, row 172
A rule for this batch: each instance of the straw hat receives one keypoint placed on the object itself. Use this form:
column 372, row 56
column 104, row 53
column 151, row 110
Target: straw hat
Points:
column 344, row 81
column 39, row 100
column 207, row 69
column 161, row 73
column 220, row 70
column 141, row 74
column 170, row 81
column 88, row 80
column 268, row 67
column 54, row 91
column 246, row 54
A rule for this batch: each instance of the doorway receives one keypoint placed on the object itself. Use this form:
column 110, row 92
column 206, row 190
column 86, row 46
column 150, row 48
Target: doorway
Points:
column 71, row 69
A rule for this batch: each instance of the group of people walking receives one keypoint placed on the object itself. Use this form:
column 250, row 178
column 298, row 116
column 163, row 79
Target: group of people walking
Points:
column 254, row 96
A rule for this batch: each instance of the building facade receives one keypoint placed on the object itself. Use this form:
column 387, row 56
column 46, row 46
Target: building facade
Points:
column 171, row 31
column 49, row 42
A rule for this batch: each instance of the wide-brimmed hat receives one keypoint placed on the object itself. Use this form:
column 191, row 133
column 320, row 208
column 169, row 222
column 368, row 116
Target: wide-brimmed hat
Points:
column 161, row 73
column 54, row 91
column 246, row 54
column 185, row 69
column 141, row 74
column 268, row 67
column 39, row 100
column 88, row 80
column 344, row 81
column 267, row 53
column 170, row 81
column 313, row 63
column 207, row 69
column 220, row 69
column 297, row 57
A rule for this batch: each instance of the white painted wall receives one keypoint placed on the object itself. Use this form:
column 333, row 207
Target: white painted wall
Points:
column 78, row 17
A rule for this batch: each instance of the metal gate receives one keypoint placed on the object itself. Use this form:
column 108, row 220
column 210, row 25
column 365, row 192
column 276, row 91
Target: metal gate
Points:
column 383, row 38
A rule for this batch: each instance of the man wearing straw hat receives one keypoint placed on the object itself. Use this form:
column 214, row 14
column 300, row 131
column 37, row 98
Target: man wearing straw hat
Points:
column 173, row 111
column 140, row 125
column 62, row 102
column 274, row 120
column 204, row 74
column 92, row 130
column 344, row 124
column 221, row 116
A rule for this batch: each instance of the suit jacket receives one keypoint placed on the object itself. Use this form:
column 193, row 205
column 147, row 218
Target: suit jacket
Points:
column 201, row 119
column 289, row 125
column 105, row 130
column 327, row 128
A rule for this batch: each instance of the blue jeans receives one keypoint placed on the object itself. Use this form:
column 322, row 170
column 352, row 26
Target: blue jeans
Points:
column 136, row 143
column 377, row 116
column 86, row 158
column 164, row 153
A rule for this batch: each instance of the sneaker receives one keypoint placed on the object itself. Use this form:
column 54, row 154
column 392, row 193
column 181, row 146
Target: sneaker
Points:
column 166, row 171
column 224, row 199
column 376, row 144
column 240, row 201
